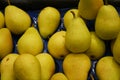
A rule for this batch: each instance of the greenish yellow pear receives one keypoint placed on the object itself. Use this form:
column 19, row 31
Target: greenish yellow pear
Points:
column 56, row 45
column 7, row 63
column 30, row 42
column 88, row 9
column 116, row 49
column 27, row 67
column 107, row 24
column 16, row 19
column 76, row 66
column 47, row 65
column 77, row 37
column 97, row 47
column 69, row 15
column 48, row 21
column 58, row 76
column 6, row 42
column 107, row 69
column 2, row 20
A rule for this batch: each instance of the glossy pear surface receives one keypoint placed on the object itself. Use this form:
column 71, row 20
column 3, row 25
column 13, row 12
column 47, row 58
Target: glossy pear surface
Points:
column 16, row 19
column 58, row 76
column 2, row 21
column 48, row 21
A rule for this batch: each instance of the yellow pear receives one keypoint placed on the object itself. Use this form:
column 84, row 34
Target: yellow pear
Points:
column 30, row 42
column 27, row 67
column 76, row 66
column 97, row 47
column 46, row 70
column 108, row 69
column 56, row 45
column 7, row 62
column 48, row 21
column 69, row 15
column 77, row 37
column 2, row 22
column 116, row 49
column 107, row 24
column 6, row 43
column 58, row 76
column 16, row 19
column 88, row 9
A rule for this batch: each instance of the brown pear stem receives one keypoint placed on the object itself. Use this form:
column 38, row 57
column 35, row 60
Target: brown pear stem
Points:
column 9, row 2
column 73, row 14
column 106, row 2
column 91, row 76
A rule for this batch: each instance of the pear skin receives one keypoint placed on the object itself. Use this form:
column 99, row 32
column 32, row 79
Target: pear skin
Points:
column 48, row 21
column 107, row 24
column 88, row 9
column 2, row 21
column 6, row 42
column 58, row 76
column 17, row 20
column 27, row 67
column 30, row 42
column 46, row 70
column 77, row 37
column 76, row 66
column 108, row 69
column 68, row 16
column 56, row 45
column 7, row 62
column 97, row 47
column 116, row 49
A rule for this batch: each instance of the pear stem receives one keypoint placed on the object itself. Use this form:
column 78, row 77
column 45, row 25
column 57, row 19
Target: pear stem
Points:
column 91, row 76
column 106, row 2
column 8, row 2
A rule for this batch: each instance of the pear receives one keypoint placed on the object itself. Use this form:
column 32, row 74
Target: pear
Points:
column 30, row 42
column 58, row 76
column 107, row 24
column 76, row 66
column 2, row 22
column 108, row 69
column 77, row 37
column 7, row 62
column 69, row 15
column 56, row 45
column 48, row 21
column 46, row 70
column 97, row 47
column 6, row 42
column 88, row 9
column 27, row 67
column 16, row 19
column 116, row 49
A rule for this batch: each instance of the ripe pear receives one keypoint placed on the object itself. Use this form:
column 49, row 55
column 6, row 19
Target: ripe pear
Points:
column 116, row 49
column 2, row 22
column 107, row 24
column 7, row 62
column 69, row 15
column 58, row 76
column 77, row 37
column 48, row 21
column 27, row 67
column 108, row 69
column 88, row 9
column 30, row 42
column 16, row 19
column 76, row 66
column 56, row 45
column 6, row 42
column 97, row 47
column 46, row 70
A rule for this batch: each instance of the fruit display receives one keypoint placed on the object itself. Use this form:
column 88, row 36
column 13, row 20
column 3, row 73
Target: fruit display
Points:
column 51, row 43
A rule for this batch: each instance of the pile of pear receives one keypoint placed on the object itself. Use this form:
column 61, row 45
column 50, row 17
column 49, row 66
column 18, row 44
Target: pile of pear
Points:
column 76, row 45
